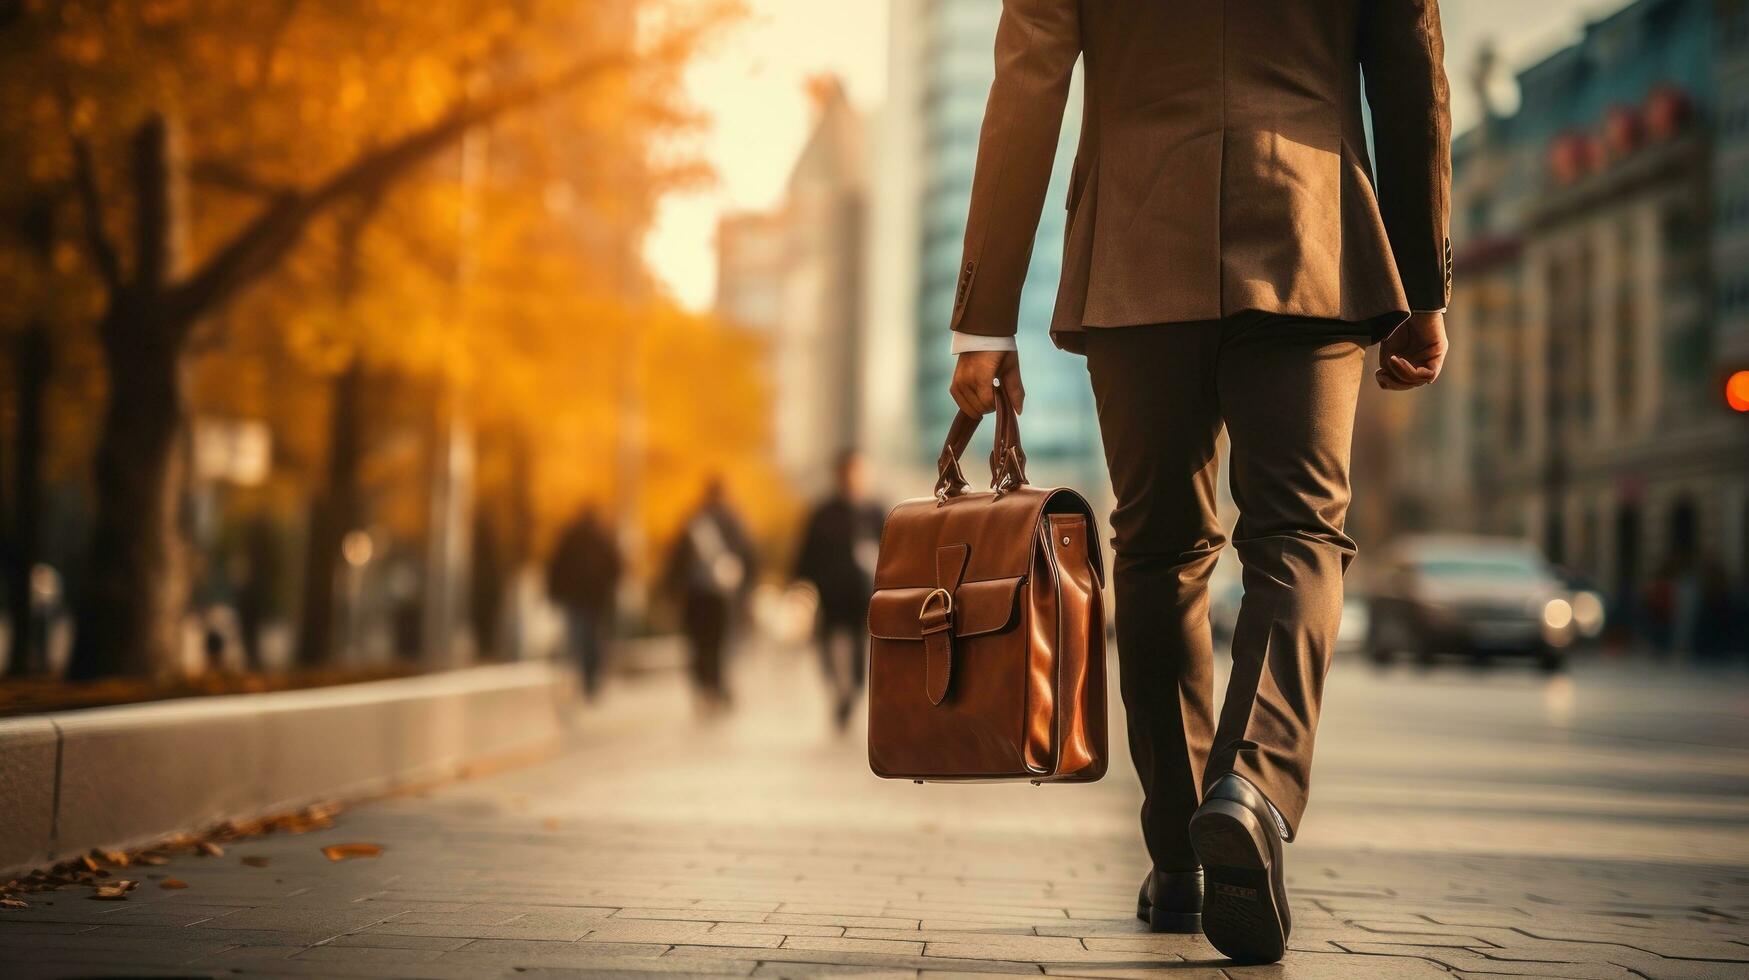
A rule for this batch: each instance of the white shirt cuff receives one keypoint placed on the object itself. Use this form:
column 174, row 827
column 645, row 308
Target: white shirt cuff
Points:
column 963, row 342
column 1440, row 310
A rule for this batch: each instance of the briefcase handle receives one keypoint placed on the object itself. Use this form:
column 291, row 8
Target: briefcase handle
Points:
column 1007, row 459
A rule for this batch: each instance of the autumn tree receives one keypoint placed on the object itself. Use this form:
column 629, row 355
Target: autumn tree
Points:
column 202, row 142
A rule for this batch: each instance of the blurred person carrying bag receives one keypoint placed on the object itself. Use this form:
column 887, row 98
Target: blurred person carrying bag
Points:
column 988, row 627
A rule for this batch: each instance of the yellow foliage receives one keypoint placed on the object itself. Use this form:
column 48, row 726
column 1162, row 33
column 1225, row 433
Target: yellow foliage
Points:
column 503, row 279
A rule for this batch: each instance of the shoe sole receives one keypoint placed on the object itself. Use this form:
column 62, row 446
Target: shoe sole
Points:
column 1239, row 912
column 1160, row 920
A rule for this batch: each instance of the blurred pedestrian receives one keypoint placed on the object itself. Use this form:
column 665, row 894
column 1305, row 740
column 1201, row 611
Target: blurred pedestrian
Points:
column 1228, row 260
column 583, row 578
column 709, row 571
column 843, row 536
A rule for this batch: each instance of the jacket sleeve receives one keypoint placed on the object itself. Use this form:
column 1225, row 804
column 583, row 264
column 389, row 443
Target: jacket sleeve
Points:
column 1402, row 53
column 1037, row 43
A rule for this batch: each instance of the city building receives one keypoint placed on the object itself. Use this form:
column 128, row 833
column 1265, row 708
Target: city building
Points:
column 941, row 64
column 1591, row 319
column 750, row 269
column 1730, row 219
column 795, row 274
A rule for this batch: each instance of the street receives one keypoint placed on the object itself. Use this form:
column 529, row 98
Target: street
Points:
column 1476, row 824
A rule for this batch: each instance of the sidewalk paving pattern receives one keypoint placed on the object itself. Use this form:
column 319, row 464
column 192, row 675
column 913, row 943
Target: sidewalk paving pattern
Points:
column 1463, row 825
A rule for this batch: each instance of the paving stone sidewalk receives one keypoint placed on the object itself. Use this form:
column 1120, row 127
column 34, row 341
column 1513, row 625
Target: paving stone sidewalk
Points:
column 759, row 846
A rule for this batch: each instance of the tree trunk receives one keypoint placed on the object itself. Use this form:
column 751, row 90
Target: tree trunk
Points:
column 334, row 511
column 137, row 589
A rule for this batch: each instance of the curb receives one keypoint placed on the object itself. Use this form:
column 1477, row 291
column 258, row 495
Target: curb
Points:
column 120, row 777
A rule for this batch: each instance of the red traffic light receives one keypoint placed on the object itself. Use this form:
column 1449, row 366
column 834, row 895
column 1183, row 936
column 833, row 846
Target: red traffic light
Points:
column 1737, row 391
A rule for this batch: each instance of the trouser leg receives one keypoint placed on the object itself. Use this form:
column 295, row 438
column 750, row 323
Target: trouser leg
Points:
column 704, row 627
column 1159, row 419
column 846, row 646
column 1288, row 389
column 858, row 638
column 713, row 636
column 844, row 658
column 826, row 640
column 586, row 644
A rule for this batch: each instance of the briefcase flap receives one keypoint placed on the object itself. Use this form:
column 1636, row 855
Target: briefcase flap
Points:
column 990, row 606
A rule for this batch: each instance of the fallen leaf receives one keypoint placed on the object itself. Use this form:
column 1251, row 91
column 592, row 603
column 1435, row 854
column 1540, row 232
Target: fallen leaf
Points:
column 89, row 868
column 116, row 891
column 255, row 861
column 312, row 817
column 343, row 852
column 242, row 828
column 13, row 903
column 172, row 883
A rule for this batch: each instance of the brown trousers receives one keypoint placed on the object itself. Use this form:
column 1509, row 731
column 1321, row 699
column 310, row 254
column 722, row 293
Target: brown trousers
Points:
column 1285, row 388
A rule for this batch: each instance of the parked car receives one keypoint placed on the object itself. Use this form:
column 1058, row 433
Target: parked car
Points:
column 1477, row 596
column 1590, row 607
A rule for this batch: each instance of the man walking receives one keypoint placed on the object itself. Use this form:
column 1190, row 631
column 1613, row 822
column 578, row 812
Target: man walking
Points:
column 843, row 536
column 1231, row 252
column 710, row 572
column 583, row 578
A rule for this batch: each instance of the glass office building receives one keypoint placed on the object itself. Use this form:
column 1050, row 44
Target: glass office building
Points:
column 951, row 52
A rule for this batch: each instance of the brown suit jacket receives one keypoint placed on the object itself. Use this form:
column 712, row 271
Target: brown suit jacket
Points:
column 1222, row 165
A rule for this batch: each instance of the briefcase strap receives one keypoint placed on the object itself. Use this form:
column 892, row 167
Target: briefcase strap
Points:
column 1007, row 459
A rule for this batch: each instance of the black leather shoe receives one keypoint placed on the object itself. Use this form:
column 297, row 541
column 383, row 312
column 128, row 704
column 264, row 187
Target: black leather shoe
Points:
column 1245, row 911
column 1171, row 901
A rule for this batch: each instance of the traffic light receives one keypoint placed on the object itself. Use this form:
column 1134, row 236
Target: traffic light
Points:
column 1737, row 391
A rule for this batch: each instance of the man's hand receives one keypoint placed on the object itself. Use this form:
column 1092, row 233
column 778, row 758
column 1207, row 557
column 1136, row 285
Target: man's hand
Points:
column 1412, row 355
column 973, row 385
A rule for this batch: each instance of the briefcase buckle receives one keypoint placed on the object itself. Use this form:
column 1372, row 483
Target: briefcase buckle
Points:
column 945, row 608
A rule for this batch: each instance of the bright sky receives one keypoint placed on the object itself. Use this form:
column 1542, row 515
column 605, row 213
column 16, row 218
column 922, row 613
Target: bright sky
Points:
column 753, row 87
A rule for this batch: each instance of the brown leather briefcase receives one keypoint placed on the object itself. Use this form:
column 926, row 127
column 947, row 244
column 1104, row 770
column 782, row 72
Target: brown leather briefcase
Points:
column 987, row 626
